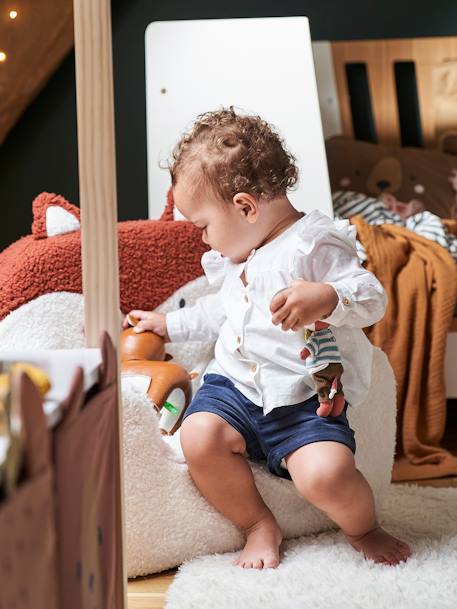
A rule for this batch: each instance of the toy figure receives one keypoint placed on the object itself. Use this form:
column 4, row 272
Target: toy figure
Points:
column 323, row 360
column 168, row 385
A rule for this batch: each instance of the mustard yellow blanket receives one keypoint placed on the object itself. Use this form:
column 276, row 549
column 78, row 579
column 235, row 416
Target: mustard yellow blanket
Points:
column 420, row 278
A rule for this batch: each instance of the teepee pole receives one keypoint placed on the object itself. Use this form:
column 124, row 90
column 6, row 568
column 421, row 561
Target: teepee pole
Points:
column 97, row 169
column 98, row 201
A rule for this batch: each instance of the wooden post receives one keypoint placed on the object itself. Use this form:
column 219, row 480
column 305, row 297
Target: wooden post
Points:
column 97, row 169
column 98, row 198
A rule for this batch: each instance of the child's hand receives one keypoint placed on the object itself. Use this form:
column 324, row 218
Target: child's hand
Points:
column 302, row 303
column 149, row 321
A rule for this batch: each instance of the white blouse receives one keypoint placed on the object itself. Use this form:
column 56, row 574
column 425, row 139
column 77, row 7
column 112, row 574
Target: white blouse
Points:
column 261, row 359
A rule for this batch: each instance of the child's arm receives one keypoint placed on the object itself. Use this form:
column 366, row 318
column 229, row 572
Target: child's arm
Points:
column 202, row 321
column 362, row 299
column 199, row 322
column 338, row 289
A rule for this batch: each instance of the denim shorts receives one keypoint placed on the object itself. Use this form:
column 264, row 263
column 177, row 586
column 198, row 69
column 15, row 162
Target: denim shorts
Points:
column 273, row 436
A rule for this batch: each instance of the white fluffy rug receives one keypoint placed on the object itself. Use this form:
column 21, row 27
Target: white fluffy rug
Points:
column 324, row 572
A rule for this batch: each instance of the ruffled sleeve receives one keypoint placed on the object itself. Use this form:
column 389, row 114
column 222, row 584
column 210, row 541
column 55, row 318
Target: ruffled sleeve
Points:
column 326, row 252
column 317, row 227
column 214, row 265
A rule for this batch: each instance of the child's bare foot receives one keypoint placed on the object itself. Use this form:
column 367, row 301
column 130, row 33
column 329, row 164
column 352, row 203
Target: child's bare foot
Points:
column 380, row 546
column 262, row 546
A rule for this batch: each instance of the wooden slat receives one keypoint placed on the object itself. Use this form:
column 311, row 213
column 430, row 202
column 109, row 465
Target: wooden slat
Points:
column 429, row 54
column 383, row 96
column 340, row 58
column 98, row 201
column 375, row 54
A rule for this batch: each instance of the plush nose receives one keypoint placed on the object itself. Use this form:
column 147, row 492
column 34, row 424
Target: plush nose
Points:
column 382, row 184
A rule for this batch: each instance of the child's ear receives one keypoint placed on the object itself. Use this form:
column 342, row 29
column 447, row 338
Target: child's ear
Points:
column 247, row 205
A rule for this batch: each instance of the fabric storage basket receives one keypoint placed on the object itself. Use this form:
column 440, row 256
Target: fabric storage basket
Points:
column 28, row 568
column 84, row 460
column 59, row 538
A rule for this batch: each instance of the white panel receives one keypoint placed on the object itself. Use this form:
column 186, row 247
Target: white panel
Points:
column 263, row 66
column 326, row 88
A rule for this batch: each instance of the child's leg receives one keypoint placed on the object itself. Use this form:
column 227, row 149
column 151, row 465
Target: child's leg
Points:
column 214, row 454
column 325, row 474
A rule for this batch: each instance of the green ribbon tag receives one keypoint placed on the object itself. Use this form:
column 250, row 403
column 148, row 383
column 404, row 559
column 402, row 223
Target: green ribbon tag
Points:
column 171, row 408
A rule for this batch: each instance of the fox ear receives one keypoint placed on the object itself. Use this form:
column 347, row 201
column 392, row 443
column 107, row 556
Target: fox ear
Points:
column 171, row 212
column 53, row 215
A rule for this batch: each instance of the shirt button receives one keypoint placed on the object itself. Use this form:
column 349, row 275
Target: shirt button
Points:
column 238, row 339
column 254, row 367
column 246, row 299
column 346, row 301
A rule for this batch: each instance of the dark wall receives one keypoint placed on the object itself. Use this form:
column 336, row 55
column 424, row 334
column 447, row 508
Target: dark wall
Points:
column 41, row 151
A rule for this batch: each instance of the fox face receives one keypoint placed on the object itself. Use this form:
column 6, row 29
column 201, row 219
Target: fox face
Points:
column 156, row 258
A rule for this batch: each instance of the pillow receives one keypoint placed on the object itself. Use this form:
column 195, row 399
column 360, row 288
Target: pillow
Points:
column 410, row 174
column 156, row 258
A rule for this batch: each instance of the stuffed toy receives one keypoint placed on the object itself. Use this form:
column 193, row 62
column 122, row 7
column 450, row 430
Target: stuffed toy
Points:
column 35, row 265
column 408, row 179
column 168, row 385
column 323, row 361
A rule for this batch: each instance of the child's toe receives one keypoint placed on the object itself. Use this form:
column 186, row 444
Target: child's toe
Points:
column 270, row 563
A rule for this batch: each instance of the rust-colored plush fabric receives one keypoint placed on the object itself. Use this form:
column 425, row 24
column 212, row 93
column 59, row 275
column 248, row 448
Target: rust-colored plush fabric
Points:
column 167, row 213
column 420, row 278
column 155, row 259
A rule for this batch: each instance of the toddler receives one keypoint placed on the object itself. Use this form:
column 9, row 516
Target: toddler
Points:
column 277, row 269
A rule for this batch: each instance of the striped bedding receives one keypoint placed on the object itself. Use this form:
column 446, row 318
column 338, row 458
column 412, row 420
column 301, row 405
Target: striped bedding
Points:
column 373, row 211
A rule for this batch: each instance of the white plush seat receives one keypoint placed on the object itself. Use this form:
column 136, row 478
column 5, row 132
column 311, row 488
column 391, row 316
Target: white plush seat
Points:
column 168, row 521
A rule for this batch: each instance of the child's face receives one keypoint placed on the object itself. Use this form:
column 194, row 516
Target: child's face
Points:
column 224, row 225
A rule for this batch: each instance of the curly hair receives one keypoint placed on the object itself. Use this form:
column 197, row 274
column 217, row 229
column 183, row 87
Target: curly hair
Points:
column 235, row 153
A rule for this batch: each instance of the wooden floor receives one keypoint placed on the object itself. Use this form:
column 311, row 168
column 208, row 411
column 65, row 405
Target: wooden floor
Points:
column 149, row 592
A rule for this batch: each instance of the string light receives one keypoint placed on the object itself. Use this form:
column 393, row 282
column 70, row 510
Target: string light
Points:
column 3, row 56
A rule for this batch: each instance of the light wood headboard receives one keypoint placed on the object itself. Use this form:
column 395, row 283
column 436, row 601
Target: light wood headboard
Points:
column 435, row 61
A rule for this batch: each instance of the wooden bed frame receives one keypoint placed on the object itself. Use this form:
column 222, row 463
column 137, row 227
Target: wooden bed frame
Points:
column 435, row 66
column 435, row 61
